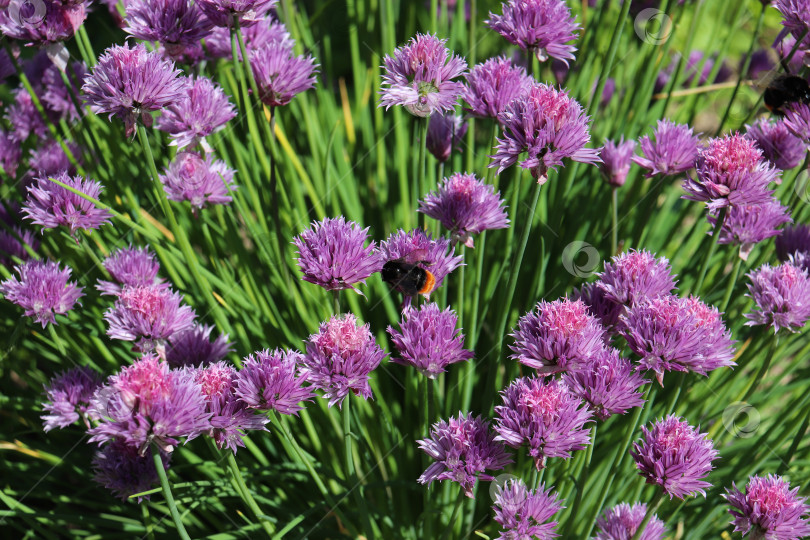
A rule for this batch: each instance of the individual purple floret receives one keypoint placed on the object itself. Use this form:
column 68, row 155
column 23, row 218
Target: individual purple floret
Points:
column 280, row 75
column 42, row 290
column 340, row 357
column 147, row 403
column 674, row 151
column 274, row 381
column 68, row 397
column 547, row 124
column 778, row 145
column 545, row 415
column 56, row 97
column 622, row 521
column 492, row 85
column 675, row 456
column 130, row 267
column 794, row 240
column 42, row 23
column 634, row 275
column 782, row 296
column 429, row 340
column 130, row 82
column 10, row 153
column 524, row 514
column 333, row 254
column 445, row 133
column 616, row 161
column 176, row 24
column 463, row 449
column 204, row 109
column 256, row 37
column 420, row 76
column 769, row 509
column 730, row 171
column 227, row 13
column 193, row 347
column 465, row 206
column 542, row 27
column 121, row 469
column 418, row 246
column 557, row 336
column 677, row 334
column 748, row 225
column 50, row 205
column 607, row 383
column 202, row 181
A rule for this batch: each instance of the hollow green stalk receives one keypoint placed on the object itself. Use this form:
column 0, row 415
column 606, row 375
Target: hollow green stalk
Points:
column 167, row 493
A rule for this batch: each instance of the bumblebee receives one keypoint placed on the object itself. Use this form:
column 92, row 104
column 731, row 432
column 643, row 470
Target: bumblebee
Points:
column 783, row 91
column 405, row 275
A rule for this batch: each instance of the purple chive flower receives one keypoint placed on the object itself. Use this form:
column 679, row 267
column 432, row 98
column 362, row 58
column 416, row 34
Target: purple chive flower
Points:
column 622, row 521
column 760, row 64
column 545, row 415
column 193, row 347
column 121, row 469
column 445, row 133
column 778, row 145
column 226, row 12
column 130, row 82
column 616, row 161
column 674, row 151
column 176, row 24
column 797, row 121
column 274, row 381
column 420, row 76
column 7, row 68
column 769, row 509
column 417, row 245
column 24, row 117
column 132, row 267
column 429, row 340
column 50, row 205
column 149, row 403
column 633, row 276
column 547, row 124
column 466, row 206
column 42, row 290
column 782, row 296
column 608, row 384
column 605, row 310
column 524, row 514
column 492, row 85
column 13, row 238
column 730, row 172
column 280, row 75
column 10, row 153
column 333, row 254
column 340, row 357
column 542, row 27
column 204, row 109
column 68, row 397
column 795, row 17
column 793, row 240
column 149, row 315
column 201, row 181
column 557, row 336
column 56, row 97
column 230, row 417
column 41, row 23
column 749, row 225
column 463, row 449
column 675, row 456
column 677, row 334
column 256, row 37
column 50, row 159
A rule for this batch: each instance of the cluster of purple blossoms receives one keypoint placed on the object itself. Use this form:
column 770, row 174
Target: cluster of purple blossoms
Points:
column 549, row 125
column 545, row 415
column 463, row 449
column 24, row 117
column 204, row 109
column 557, row 336
column 782, row 296
column 201, row 181
column 193, row 347
column 68, row 397
column 123, row 470
column 420, row 76
column 525, row 514
column 445, row 133
column 492, row 85
column 616, row 161
column 42, row 290
column 50, row 159
column 227, row 13
column 429, row 340
column 14, row 238
column 274, row 381
column 129, row 267
column 748, row 225
column 42, row 23
column 674, row 151
column 51, row 205
column 675, row 456
column 769, row 509
column 256, row 37
column 795, row 17
column 797, row 121
column 333, row 254
column 465, row 206
column 130, row 83
column 55, row 95
column 794, row 244
column 340, row 357
column 634, row 275
column 622, row 521
column 542, row 27
column 605, row 310
column 778, row 145
column 10, row 153
column 418, row 247
column 280, row 75
column 176, row 24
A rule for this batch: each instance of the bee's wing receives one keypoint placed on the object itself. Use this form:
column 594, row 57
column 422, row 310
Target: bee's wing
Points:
column 415, row 256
